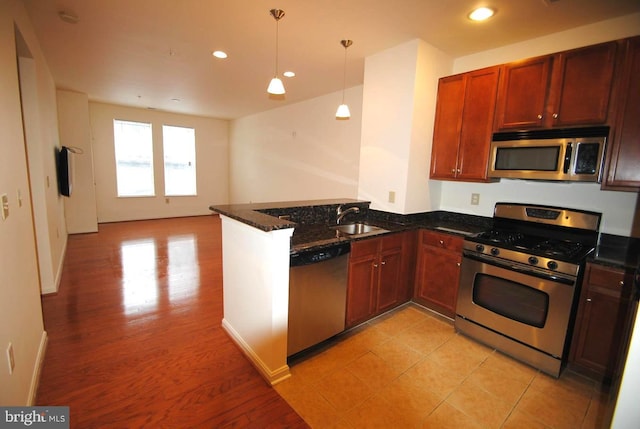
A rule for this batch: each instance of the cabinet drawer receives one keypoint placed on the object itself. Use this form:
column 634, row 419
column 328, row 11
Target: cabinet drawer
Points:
column 443, row 241
column 367, row 247
column 606, row 277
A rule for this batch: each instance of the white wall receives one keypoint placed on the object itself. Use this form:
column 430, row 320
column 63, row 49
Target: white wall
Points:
column 400, row 87
column 617, row 207
column 73, row 119
column 20, row 310
column 212, row 161
column 297, row 152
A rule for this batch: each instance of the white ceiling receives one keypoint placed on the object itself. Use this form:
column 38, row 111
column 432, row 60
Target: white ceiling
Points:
column 146, row 53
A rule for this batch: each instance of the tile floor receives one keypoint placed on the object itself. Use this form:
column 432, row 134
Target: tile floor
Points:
column 409, row 369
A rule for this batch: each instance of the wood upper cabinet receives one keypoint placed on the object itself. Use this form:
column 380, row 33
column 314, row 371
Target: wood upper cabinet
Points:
column 565, row 89
column 623, row 168
column 463, row 125
column 378, row 276
column 438, row 271
column 602, row 311
column 522, row 95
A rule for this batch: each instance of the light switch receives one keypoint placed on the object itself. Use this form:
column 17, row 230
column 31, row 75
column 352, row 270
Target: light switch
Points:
column 4, row 200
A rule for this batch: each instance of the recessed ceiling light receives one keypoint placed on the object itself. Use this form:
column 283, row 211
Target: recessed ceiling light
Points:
column 219, row 54
column 481, row 13
column 288, row 74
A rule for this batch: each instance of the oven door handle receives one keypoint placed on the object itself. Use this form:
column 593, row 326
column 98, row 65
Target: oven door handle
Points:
column 520, row 268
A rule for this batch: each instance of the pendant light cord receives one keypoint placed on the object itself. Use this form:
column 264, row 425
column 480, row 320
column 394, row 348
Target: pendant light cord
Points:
column 276, row 73
column 344, row 77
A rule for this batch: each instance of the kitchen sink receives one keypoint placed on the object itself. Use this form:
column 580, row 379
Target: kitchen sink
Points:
column 357, row 228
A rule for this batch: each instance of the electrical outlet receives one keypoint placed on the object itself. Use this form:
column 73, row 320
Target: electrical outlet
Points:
column 475, row 199
column 4, row 201
column 10, row 359
column 392, row 197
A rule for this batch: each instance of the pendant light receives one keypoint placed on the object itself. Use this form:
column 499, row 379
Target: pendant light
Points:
column 343, row 110
column 275, row 86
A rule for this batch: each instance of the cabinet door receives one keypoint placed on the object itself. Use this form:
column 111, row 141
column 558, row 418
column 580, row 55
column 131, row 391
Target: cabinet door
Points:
column 582, row 86
column 389, row 279
column 595, row 348
column 448, row 122
column 523, row 93
column 437, row 279
column 477, row 124
column 360, row 290
column 600, row 320
column 623, row 170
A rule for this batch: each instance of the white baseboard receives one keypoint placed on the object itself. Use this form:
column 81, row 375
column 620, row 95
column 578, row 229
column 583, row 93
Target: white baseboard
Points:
column 272, row 377
column 58, row 274
column 35, row 377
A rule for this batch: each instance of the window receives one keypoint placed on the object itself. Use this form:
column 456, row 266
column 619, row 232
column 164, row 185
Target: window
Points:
column 179, row 146
column 134, row 159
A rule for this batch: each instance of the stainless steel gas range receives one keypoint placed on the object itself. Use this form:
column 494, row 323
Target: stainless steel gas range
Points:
column 519, row 281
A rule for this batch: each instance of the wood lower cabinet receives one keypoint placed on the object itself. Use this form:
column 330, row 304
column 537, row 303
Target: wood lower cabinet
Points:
column 379, row 275
column 438, row 271
column 599, row 328
column 565, row 89
column 623, row 169
column 463, row 125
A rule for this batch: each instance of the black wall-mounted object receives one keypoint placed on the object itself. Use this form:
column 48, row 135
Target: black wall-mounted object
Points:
column 64, row 157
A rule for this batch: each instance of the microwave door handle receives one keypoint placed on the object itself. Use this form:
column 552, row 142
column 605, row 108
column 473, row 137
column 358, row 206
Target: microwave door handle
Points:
column 567, row 158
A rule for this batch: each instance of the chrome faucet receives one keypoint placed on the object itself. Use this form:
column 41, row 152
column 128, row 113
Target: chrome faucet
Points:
column 342, row 213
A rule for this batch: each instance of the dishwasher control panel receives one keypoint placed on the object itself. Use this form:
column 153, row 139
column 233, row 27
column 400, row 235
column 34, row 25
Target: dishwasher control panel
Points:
column 318, row 255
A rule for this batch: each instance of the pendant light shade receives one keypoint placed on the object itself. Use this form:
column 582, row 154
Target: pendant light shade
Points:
column 275, row 86
column 343, row 110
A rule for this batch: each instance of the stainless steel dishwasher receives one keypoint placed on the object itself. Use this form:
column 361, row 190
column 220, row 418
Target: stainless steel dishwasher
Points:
column 317, row 296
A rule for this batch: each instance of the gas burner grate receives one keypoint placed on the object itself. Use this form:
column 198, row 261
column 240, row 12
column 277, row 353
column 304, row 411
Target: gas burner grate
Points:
column 559, row 248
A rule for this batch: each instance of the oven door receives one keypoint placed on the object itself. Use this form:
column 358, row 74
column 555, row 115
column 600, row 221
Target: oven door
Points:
column 522, row 306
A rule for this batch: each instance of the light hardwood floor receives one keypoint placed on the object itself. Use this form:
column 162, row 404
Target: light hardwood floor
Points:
column 135, row 336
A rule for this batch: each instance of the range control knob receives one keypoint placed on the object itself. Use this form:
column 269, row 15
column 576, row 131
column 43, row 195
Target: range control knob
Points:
column 552, row 265
column 495, row 251
column 479, row 248
column 533, row 260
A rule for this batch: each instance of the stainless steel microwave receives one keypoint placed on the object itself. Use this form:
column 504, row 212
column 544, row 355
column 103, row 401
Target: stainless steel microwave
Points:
column 574, row 154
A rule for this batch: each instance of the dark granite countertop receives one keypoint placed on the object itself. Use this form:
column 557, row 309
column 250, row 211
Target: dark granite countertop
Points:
column 279, row 215
column 313, row 220
column 617, row 251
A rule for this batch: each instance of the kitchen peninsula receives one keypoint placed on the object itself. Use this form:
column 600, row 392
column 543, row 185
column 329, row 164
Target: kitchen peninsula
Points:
column 258, row 241
column 256, row 246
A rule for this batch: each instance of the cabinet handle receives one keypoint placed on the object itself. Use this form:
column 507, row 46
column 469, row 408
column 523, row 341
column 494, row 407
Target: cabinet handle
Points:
column 539, row 116
column 621, row 283
column 458, row 171
column 383, row 263
column 588, row 299
column 375, row 265
column 441, row 242
column 458, row 264
column 555, row 116
column 453, row 170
